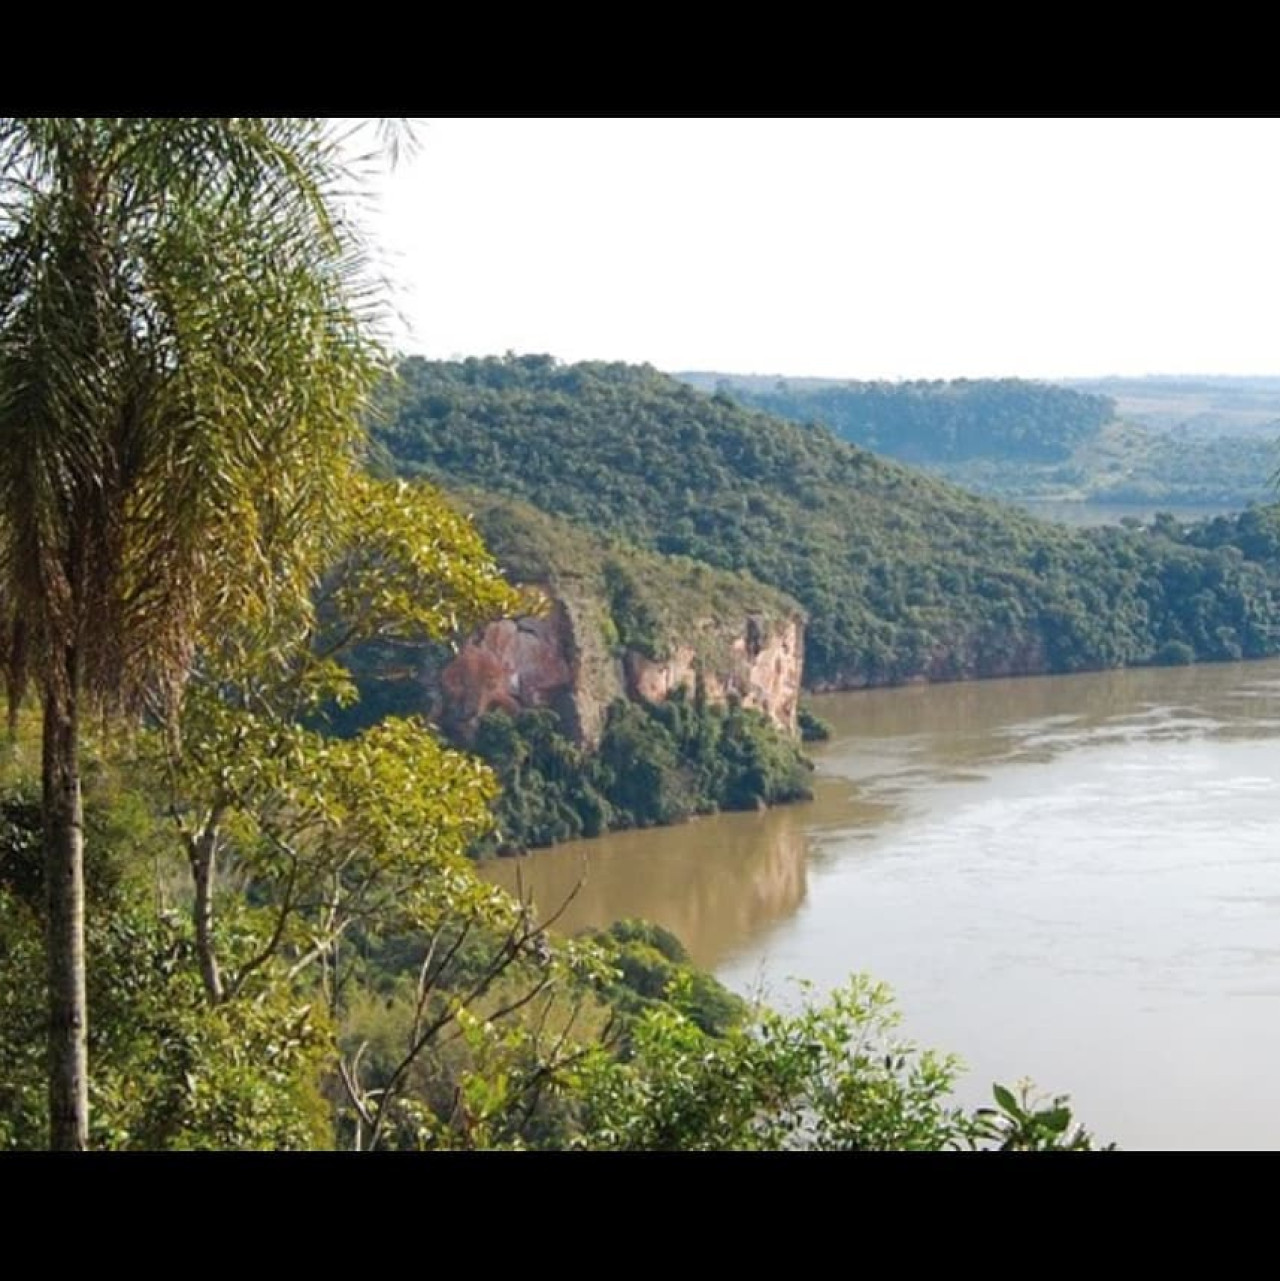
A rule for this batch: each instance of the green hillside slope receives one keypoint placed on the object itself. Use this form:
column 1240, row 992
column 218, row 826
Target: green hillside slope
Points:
column 904, row 576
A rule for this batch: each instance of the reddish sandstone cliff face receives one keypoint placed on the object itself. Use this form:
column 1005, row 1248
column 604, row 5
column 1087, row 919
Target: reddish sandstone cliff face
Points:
column 513, row 665
column 760, row 665
column 563, row 661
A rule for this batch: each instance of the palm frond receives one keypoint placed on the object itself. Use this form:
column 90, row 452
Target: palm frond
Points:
column 184, row 355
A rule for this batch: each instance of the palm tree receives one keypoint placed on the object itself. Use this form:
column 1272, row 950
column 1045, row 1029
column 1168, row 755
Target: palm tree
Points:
column 184, row 351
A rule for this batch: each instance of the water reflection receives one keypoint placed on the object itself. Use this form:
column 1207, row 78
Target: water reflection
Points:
column 717, row 882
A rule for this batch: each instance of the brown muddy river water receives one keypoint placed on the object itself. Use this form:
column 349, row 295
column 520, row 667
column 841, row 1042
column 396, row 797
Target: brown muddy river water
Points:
column 1074, row 879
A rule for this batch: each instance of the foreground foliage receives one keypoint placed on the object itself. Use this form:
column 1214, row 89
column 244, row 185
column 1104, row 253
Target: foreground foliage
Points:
column 185, row 353
column 464, row 1027
column 826, row 1079
column 168, row 1069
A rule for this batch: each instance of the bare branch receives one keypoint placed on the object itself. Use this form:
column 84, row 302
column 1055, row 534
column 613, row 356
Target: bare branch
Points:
column 269, row 950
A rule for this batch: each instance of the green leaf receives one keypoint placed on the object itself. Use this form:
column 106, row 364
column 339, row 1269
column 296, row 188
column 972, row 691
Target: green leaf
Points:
column 1055, row 1120
column 1004, row 1097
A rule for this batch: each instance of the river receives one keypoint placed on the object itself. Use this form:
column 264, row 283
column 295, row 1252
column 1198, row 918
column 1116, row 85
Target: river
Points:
column 1074, row 879
column 1084, row 514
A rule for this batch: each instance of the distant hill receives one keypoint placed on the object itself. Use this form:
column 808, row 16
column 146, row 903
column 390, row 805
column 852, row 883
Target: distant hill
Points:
column 932, row 422
column 1152, row 441
column 904, row 577
column 1210, row 405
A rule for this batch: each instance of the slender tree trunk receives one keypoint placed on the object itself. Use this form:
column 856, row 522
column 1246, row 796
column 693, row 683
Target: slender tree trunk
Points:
column 64, row 879
column 15, row 676
column 203, row 866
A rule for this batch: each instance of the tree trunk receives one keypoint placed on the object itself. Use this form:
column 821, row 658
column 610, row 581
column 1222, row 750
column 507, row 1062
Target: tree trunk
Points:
column 64, row 886
column 15, row 676
column 14, row 656
column 203, row 866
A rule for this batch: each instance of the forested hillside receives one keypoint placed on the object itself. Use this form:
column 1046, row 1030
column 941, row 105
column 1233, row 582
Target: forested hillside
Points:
column 903, row 576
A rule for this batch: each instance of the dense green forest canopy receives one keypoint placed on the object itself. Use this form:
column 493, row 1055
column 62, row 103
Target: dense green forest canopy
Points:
column 654, row 601
column 903, row 576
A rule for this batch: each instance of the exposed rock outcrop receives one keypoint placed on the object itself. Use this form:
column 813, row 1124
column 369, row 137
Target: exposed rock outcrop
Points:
column 563, row 661
column 618, row 623
column 557, row 660
column 759, row 662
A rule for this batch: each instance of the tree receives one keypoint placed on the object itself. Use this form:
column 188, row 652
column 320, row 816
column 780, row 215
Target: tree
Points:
column 306, row 818
column 185, row 349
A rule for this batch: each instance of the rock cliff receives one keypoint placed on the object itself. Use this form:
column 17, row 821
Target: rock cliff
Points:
column 756, row 660
column 618, row 623
column 557, row 660
column 562, row 660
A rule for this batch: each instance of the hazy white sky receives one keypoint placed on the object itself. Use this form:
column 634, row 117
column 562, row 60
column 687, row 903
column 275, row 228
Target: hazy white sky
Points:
column 854, row 248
